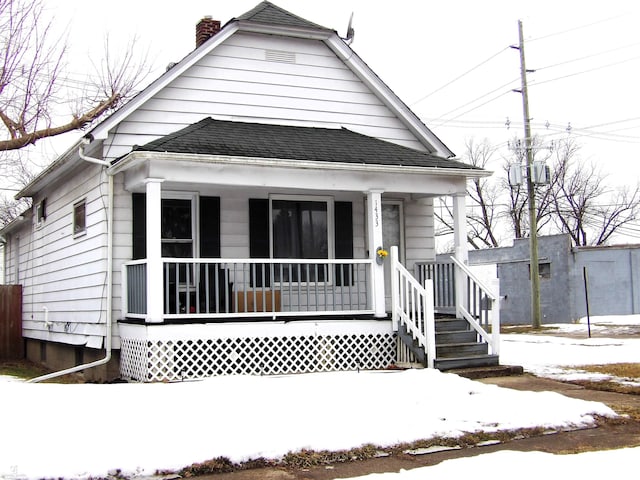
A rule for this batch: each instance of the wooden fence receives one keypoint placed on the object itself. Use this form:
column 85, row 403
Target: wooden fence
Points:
column 11, row 342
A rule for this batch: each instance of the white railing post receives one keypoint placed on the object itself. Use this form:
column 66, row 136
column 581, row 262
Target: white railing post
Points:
column 460, row 244
column 155, row 301
column 430, row 322
column 124, row 289
column 495, row 323
column 395, row 293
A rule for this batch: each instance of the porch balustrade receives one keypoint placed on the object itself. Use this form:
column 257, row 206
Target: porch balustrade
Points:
column 212, row 288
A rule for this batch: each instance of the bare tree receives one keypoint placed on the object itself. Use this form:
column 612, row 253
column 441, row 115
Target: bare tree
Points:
column 15, row 173
column 583, row 206
column 482, row 214
column 517, row 199
column 576, row 200
column 32, row 64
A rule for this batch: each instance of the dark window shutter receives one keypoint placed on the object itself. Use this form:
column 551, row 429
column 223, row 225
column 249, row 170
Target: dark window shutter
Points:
column 343, row 213
column 210, row 227
column 259, row 238
column 139, row 210
column 220, row 288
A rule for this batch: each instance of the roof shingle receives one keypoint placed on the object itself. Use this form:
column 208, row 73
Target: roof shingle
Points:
column 257, row 140
column 267, row 12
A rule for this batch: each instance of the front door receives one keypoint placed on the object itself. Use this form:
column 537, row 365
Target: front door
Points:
column 392, row 236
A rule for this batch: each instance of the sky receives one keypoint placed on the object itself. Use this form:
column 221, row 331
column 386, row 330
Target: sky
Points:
column 139, row 428
column 444, row 59
column 451, row 62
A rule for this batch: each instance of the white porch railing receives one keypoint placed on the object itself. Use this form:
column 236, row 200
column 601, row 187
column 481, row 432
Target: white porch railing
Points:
column 412, row 307
column 210, row 288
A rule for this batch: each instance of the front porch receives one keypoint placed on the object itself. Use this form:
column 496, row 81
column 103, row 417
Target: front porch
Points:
column 274, row 259
column 231, row 316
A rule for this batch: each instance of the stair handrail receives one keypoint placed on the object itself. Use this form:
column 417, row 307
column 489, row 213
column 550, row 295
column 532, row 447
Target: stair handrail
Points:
column 492, row 339
column 412, row 306
column 473, row 277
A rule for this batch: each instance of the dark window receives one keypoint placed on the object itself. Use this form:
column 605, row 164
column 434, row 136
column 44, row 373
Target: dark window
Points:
column 41, row 210
column 79, row 217
column 300, row 231
column 544, row 270
column 176, row 228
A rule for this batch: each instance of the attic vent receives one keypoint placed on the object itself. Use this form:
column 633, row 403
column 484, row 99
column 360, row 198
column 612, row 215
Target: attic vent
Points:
column 279, row 56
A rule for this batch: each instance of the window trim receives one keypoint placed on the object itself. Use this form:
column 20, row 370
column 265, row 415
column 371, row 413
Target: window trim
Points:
column 306, row 198
column 77, row 231
column 194, row 280
column 40, row 212
column 329, row 200
column 195, row 224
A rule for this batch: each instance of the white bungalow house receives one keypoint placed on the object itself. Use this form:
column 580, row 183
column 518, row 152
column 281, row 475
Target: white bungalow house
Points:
column 236, row 216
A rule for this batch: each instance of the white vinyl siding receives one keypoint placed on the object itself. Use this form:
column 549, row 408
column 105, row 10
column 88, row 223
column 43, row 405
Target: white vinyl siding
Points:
column 419, row 233
column 63, row 273
column 236, row 82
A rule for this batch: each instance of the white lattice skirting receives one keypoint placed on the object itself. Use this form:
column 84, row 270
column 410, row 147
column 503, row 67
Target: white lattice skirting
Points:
column 154, row 353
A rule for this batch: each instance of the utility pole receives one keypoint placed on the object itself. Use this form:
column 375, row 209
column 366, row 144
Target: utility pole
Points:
column 533, row 223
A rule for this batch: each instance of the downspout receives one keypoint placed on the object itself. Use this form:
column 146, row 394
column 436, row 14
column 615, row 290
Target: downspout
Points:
column 108, row 340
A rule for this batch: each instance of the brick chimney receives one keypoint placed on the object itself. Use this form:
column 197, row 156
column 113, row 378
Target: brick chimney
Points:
column 205, row 29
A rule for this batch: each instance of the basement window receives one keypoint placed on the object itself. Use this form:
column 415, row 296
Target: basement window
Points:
column 80, row 218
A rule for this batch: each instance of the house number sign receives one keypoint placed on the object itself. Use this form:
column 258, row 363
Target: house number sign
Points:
column 376, row 214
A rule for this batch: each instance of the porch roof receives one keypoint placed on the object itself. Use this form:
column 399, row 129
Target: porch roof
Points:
column 241, row 139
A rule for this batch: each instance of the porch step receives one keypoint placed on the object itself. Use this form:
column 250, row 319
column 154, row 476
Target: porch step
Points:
column 451, row 363
column 456, row 336
column 451, row 324
column 455, row 350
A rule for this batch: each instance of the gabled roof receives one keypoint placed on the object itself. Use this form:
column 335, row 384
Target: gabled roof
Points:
column 271, row 19
column 265, row 18
column 268, row 13
column 256, row 140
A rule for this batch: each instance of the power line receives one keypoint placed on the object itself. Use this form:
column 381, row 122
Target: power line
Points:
column 586, row 71
column 459, row 76
column 580, row 27
column 475, row 100
column 587, row 56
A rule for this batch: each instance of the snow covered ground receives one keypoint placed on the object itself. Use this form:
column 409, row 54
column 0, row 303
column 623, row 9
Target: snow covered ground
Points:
column 77, row 431
column 556, row 354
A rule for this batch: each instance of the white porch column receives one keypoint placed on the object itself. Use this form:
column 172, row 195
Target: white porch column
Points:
column 460, row 244
column 374, row 226
column 155, row 303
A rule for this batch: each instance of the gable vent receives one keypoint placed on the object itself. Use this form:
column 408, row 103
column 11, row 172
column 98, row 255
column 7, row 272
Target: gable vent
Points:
column 279, row 56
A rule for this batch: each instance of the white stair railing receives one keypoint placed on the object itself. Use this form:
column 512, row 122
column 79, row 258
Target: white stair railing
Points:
column 412, row 307
column 477, row 303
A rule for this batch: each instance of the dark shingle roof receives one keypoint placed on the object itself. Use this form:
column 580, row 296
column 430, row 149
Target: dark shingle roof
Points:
column 240, row 139
column 267, row 12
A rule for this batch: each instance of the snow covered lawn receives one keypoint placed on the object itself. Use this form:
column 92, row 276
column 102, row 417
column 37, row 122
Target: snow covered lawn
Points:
column 557, row 354
column 71, row 431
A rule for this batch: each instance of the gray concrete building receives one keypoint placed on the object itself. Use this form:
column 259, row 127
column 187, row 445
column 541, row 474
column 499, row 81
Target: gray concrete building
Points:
column 613, row 275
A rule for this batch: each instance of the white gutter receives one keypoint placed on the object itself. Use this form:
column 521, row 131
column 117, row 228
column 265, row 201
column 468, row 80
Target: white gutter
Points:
column 109, row 323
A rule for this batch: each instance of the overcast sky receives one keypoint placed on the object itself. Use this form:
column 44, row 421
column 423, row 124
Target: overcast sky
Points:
column 449, row 61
